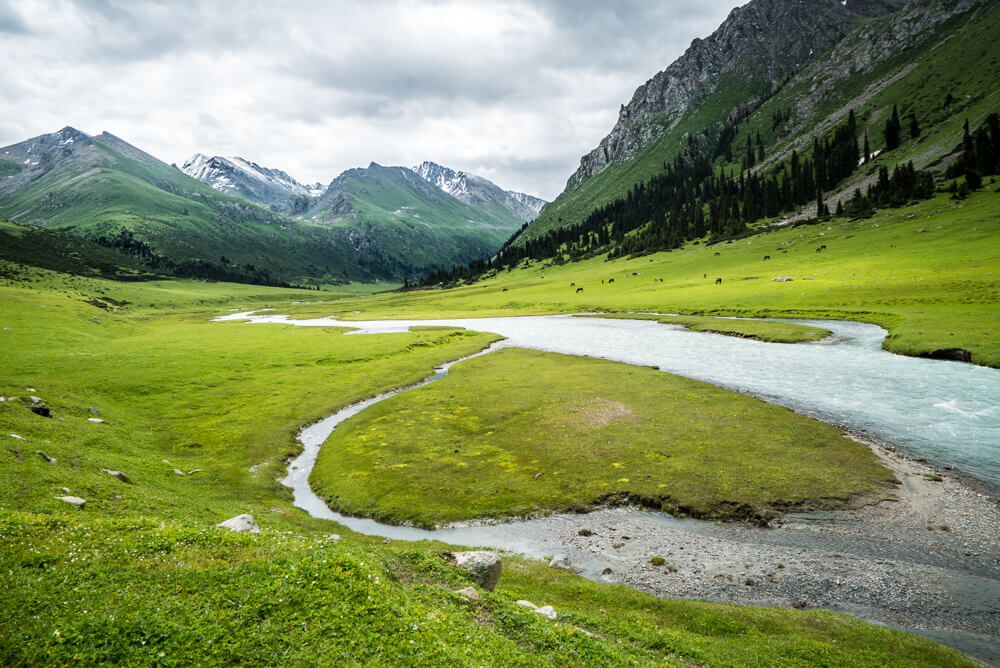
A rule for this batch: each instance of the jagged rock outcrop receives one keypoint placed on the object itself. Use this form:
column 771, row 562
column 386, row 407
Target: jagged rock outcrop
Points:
column 763, row 41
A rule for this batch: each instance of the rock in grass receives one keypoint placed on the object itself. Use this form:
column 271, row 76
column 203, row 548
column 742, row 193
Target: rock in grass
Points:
column 485, row 567
column 469, row 592
column 118, row 474
column 240, row 524
column 562, row 562
column 547, row 610
column 20, row 438
column 40, row 409
column 179, row 472
column 95, row 420
column 50, row 460
column 75, row 500
column 93, row 411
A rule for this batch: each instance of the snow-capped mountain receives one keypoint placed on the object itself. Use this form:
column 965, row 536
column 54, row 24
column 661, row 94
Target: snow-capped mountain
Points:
column 272, row 188
column 478, row 191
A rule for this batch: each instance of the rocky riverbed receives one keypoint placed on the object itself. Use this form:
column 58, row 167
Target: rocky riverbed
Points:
column 926, row 558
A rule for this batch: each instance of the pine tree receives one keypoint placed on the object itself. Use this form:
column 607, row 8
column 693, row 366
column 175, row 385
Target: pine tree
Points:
column 891, row 132
column 914, row 126
column 868, row 151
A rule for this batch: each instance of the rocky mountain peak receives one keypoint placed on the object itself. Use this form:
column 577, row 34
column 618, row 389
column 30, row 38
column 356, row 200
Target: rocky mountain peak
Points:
column 762, row 41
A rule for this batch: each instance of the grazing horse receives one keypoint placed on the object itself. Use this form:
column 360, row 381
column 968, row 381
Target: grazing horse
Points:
column 611, row 280
column 572, row 285
column 767, row 257
column 505, row 289
column 634, row 274
column 718, row 281
column 579, row 290
column 718, row 253
column 823, row 246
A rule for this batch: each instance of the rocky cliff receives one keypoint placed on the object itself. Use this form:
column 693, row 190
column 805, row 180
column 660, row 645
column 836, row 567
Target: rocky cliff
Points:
column 763, row 41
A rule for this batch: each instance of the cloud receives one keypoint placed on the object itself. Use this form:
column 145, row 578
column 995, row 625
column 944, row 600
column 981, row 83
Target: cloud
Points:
column 514, row 90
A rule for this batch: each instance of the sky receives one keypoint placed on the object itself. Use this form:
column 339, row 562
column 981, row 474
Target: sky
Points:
column 513, row 91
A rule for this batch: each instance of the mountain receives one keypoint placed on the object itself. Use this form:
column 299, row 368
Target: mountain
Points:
column 407, row 222
column 232, row 219
column 105, row 190
column 815, row 57
column 271, row 188
column 480, row 192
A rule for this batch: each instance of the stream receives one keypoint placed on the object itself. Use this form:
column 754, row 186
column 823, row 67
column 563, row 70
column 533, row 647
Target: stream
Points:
column 879, row 563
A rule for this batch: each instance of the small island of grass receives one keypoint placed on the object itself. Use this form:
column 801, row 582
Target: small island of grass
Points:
column 519, row 433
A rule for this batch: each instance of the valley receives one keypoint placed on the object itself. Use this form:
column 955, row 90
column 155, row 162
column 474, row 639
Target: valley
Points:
column 731, row 398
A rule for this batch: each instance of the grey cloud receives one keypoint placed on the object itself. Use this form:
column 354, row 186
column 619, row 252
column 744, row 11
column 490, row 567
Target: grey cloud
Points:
column 11, row 22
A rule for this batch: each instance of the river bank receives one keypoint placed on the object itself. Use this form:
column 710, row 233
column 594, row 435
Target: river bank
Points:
column 924, row 559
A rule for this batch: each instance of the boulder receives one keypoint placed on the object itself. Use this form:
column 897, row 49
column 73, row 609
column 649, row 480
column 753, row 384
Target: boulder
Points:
column 20, row 438
column 40, row 409
column 118, row 474
column 93, row 411
column 485, row 567
column 95, row 420
column 50, row 460
column 35, row 400
column 75, row 500
column 562, row 562
column 333, row 538
column 240, row 524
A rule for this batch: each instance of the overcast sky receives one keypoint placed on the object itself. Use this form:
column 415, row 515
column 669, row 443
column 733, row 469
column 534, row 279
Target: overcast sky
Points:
column 513, row 91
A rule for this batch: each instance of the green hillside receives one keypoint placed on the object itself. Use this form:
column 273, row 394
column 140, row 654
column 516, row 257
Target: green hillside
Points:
column 959, row 58
column 410, row 224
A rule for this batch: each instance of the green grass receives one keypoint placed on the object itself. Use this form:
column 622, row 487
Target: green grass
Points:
column 570, row 433
column 222, row 397
column 140, row 591
column 760, row 330
column 929, row 273
column 140, row 576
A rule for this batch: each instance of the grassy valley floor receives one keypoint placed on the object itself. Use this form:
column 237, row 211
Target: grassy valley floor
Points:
column 201, row 417
column 929, row 273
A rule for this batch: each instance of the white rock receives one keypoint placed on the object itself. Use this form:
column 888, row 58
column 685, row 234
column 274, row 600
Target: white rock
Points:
column 75, row 500
column 95, row 420
column 20, row 438
column 485, row 567
column 547, row 610
column 240, row 524
column 527, row 604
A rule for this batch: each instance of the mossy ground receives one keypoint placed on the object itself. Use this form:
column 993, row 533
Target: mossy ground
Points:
column 521, row 432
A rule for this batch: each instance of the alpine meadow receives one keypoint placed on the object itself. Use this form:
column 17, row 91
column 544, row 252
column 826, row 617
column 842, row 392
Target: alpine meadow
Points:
column 731, row 398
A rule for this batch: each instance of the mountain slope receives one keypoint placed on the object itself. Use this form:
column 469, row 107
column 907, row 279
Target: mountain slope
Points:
column 480, row 192
column 271, row 188
column 104, row 189
column 715, row 82
column 412, row 226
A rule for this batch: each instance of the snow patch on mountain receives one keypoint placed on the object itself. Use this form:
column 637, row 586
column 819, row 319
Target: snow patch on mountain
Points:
column 478, row 191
